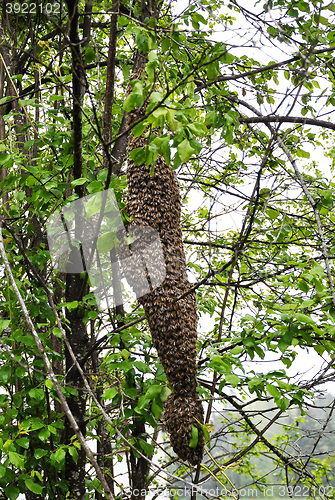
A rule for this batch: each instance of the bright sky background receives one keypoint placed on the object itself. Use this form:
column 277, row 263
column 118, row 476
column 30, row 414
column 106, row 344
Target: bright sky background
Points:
column 307, row 364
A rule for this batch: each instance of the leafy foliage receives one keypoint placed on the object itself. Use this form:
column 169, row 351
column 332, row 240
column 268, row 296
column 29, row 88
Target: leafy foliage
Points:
column 245, row 127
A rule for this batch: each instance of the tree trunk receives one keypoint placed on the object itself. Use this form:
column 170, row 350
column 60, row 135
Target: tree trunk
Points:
column 77, row 335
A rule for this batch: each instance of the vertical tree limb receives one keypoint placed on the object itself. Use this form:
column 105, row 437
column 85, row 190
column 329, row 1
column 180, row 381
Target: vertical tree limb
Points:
column 77, row 335
column 110, row 81
column 3, row 172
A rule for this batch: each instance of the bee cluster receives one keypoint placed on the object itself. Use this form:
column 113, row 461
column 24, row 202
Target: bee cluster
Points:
column 154, row 200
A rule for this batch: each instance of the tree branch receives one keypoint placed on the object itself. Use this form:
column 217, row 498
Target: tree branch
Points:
column 287, row 119
column 107, row 116
column 225, row 78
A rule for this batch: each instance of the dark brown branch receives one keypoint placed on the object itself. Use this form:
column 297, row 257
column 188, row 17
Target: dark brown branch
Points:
column 215, row 186
column 87, row 22
column 76, row 329
column 256, row 71
column 107, row 116
column 77, row 83
column 208, row 244
column 287, row 119
column 8, row 66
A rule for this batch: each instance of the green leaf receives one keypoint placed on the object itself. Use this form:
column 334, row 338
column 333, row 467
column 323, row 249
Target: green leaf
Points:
column 12, row 492
column 165, row 393
column 283, row 403
column 159, row 112
column 132, row 392
column 92, row 314
column 90, row 55
column 72, row 305
column 44, row 434
column 146, row 447
column 273, row 214
column 153, row 391
column 36, row 393
column 273, row 391
column 303, row 154
column 142, row 42
column 303, row 318
column 7, row 445
column 79, row 182
column 138, row 155
column 49, row 384
column 155, row 97
column 211, row 118
column 5, row 373
column 24, row 442
column 4, row 157
column 213, row 70
column 323, row 20
column 194, row 437
column 149, row 418
column 236, row 350
column 196, row 146
column 163, row 146
column 94, row 187
column 142, row 403
column 206, row 435
column 59, row 456
column 107, row 242
column 34, row 487
column 142, row 367
column 135, row 99
column 185, row 150
column 228, row 58
column 20, row 371
column 31, row 181
column 171, row 121
column 31, row 169
column 302, row 285
column 110, row 393
column 16, row 459
column 34, row 423
column 28, row 145
column 5, row 99
column 319, row 349
column 27, row 102
column 74, row 454
column 39, row 453
column 56, row 97
column 234, row 380
column 156, row 408
column 139, row 129
column 196, row 128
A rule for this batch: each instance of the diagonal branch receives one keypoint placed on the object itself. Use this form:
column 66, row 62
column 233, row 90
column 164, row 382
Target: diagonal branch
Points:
column 50, row 371
column 256, row 71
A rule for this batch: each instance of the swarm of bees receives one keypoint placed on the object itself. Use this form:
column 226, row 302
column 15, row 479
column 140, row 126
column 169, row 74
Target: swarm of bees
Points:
column 154, row 200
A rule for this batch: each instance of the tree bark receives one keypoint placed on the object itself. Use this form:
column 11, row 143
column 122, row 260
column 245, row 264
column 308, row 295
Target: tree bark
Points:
column 77, row 335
